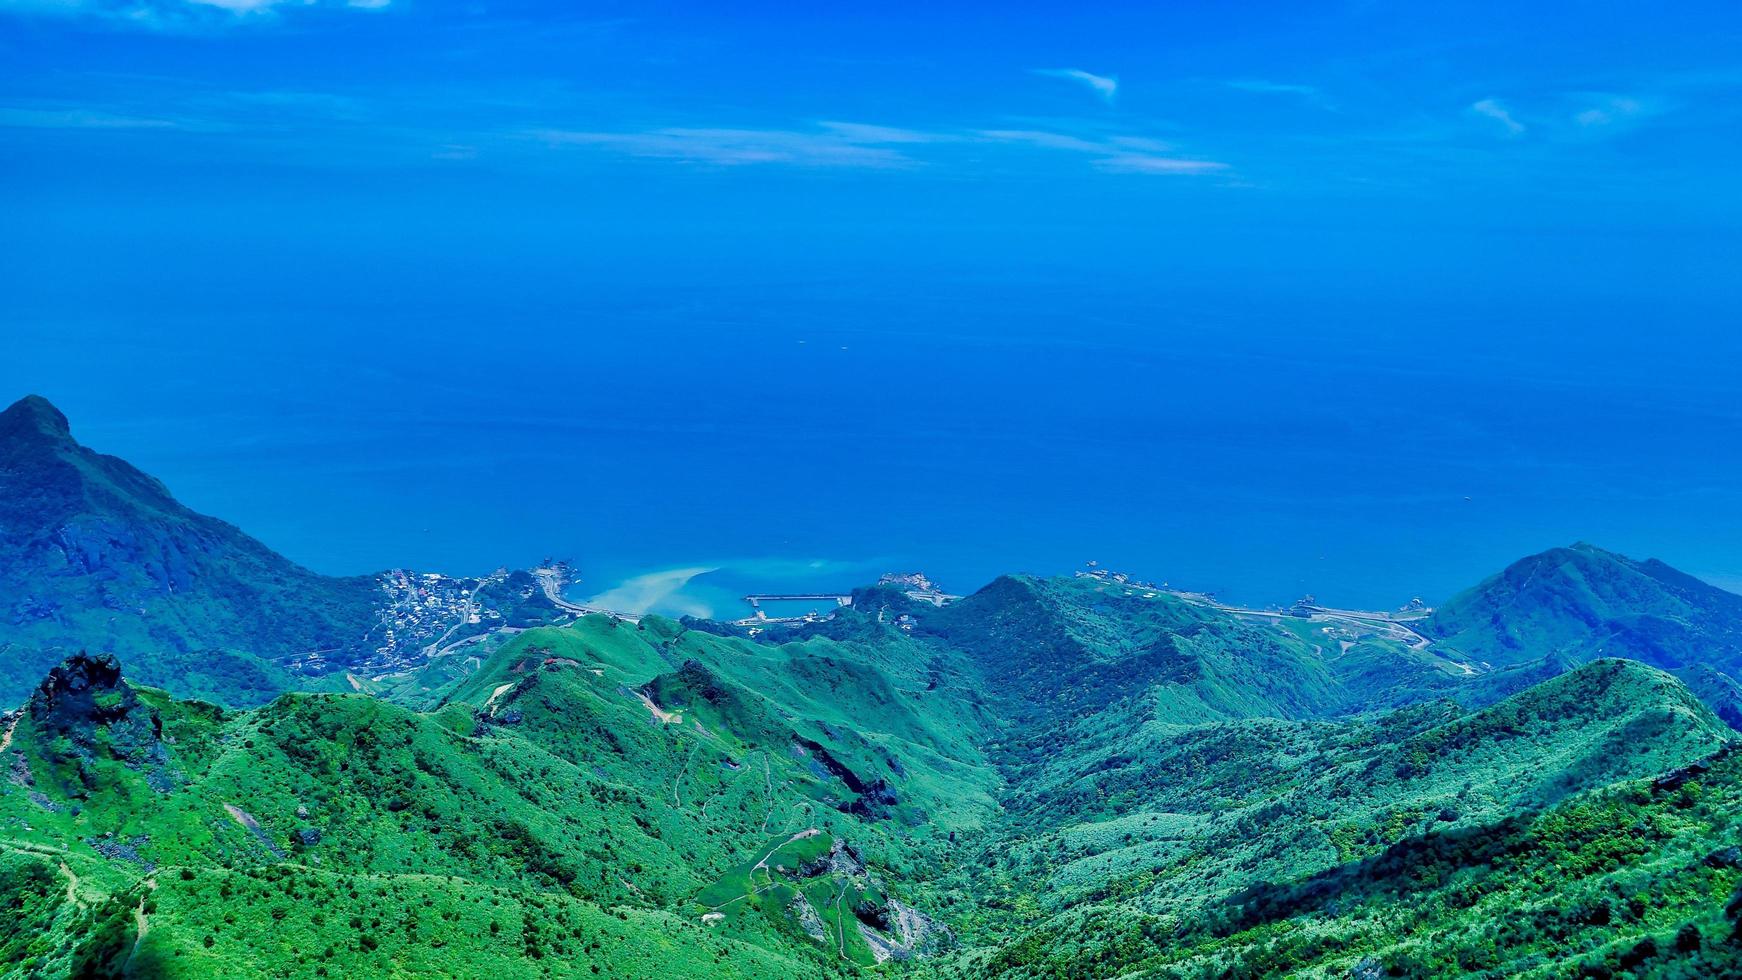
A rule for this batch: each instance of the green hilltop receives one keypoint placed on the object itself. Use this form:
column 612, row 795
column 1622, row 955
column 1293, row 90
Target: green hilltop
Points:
column 1583, row 602
column 1051, row 778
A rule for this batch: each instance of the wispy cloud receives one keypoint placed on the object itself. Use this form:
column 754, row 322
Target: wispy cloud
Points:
column 1143, row 163
column 1102, row 85
column 867, row 146
column 23, row 118
column 1493, row 109
column 1113, row 154
column 1042, row 138
column 830, row 145
column 1306, row 93
column 1610, row 110
column 867, row 133
column 171, row 15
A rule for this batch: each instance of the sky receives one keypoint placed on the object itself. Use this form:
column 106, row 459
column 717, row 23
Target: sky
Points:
column 1364, row 299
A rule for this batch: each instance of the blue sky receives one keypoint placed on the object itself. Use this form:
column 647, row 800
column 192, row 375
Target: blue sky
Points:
column 1509, row 229
column 1139, row 122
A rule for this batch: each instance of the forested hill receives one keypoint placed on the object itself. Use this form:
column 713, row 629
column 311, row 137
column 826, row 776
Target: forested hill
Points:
column 657, row 799
column 1054, row 777
column 1581, row 602
column 96, row 555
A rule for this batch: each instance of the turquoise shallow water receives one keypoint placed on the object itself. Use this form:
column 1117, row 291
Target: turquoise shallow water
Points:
column 685, row 449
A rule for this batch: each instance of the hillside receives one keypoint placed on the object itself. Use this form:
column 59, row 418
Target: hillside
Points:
column 1063, row 649
column 1053, row 777
column 1582, row 602
column 618, row 796
column 1162, row 838
column 95, row 554
column 606, row 794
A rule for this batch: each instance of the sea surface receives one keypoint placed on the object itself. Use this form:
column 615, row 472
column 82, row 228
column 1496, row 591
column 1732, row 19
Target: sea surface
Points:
column 687, row 444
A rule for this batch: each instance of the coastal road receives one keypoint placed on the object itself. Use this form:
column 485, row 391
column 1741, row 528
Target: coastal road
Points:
column 547, row 582
column 1397, row 628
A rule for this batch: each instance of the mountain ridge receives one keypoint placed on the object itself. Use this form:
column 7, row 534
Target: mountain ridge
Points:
column 1066, row 776
column 96, row 554
column 1582, row 602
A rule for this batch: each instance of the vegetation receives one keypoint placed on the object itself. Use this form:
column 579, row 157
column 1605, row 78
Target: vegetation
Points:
column 1050, row 778
column 95, row 554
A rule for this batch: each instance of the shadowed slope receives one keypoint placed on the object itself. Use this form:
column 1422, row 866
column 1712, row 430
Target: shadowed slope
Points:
column 95, row 554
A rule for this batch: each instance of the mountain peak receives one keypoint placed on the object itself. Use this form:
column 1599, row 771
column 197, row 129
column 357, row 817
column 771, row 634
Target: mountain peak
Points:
column 1583, row 602
column 34, row 415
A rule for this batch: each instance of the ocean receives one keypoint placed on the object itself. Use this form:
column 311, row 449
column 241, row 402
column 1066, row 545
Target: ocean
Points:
column 685, row 445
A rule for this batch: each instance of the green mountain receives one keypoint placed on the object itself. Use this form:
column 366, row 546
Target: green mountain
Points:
column 1068, row 648
column 1246, row 850
column 656, row 800
column 1571, row 605
column 607, row 795
column 95, row 554
column 1583, row 602
column 1076, row 777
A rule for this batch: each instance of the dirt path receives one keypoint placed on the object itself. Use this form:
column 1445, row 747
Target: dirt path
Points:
column 768, row 792
column 141, row 925
column 501, row 689
column 6, row 736
column 801, row 835
column 725, row 787
column 680, row 774
column 740, row 898
column 72, row 885
column 762, row 865
column 841, row 919
column 664, row 717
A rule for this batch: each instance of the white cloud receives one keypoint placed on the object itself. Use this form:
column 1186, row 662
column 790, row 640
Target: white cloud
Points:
column 867, row 133
column 1102, row 85
column 836, row 145
column 1143, row 163
column 20, row 118
column 1609, row 110
column 175, row 14
column 1494, row 110
column 1260, row 86
column 1115, row 154
column 1042, row 138
column 256, row 6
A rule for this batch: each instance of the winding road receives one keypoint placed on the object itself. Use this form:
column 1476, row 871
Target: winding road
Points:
column 547, row 582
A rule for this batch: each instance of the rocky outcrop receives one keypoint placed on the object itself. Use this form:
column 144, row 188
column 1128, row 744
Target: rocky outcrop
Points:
column 83, row 713
column 898, row 931
column 875, row 800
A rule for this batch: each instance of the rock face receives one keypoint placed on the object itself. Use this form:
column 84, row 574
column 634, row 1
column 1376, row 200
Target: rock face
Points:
column 83, row 713
column 875, row 801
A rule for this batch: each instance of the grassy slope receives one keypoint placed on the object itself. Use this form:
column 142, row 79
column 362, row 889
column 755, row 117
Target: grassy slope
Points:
column 1179, row 794
column 563, row 804
column 1180, row 833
